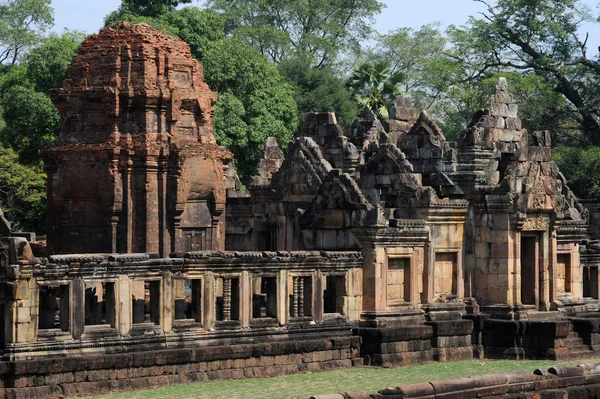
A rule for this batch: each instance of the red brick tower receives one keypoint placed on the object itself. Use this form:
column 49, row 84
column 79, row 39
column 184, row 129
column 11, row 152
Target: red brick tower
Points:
column 137, row 167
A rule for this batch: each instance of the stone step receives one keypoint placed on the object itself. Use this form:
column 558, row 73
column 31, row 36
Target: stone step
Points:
column 581, row 354
column 541, row 316
column 573, row 342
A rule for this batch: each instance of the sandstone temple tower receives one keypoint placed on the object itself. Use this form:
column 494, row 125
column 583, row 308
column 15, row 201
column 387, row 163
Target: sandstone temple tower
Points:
column 136, row 168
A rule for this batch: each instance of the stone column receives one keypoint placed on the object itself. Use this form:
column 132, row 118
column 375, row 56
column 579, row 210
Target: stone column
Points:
column 318, row 291
column 209, row 301
column 245, row 304
column 167, row 309
column 414, row 274
column 77, row 299
column 429, row 266
column 577, row 270
column 128, row 204
column 124, row 310
column 374, row 289
column 165, row 247
column 282, row 297
column 152, row 209
column 544, row 276
column 552, row 266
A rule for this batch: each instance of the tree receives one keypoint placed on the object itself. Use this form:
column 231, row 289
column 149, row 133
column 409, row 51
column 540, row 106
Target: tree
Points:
column 22, row 192
column 375, row 87
column 32, row 122
column 131, row 9
column 254, row 102
column 319, row 90
column 581, row 166
column 542, row 36
column 47, row 64
column 232, row 67
column 281, row 30
column 414, row 53
column 22, row 25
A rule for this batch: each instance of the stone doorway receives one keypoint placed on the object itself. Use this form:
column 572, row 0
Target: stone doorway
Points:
column 529, row 270
column 590, row 282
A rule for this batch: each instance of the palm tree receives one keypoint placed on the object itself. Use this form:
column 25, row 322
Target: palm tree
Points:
column 375, row 87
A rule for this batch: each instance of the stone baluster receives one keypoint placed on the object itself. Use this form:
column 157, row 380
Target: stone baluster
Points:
column 295, row 297
column 226, row 299
column 300, row 296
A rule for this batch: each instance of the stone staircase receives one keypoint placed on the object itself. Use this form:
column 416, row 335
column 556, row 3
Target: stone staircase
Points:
column 575, row 347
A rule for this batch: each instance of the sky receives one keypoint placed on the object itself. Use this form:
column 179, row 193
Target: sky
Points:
column 88, row 15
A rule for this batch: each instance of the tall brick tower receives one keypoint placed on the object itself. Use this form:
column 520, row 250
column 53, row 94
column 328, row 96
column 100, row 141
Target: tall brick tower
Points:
column 136, row 167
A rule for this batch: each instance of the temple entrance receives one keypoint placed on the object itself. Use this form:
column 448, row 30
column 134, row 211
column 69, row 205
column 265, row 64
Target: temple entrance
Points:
column 529, row 270
column 590, row 282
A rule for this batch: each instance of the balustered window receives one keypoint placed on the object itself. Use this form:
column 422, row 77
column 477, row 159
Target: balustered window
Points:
column 301, row 298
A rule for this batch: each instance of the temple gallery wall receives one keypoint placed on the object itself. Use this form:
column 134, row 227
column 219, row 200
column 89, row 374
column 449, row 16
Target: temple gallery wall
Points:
column 365, row 247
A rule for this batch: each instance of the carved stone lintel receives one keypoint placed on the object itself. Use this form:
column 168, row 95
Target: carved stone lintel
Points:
column 535, row 224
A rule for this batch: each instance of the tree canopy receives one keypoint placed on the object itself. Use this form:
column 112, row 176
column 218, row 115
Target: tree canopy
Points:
column 319, row 29
column 542, row 37
column 319, row 90
column 375, row 87
column 22, row 25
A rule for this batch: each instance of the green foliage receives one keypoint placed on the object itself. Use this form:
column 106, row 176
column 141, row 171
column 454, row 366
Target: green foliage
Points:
column 319, row 90
column 22, row 25
column 47, row 64
column 269, row 108
column 416, row 54
column 130, row 10
column 201, row 29
column 317, row 29
column 541, row 37
column 32, row 122
column 11, row 76
column 22, row 192
column 581, row 167
column 375, row 87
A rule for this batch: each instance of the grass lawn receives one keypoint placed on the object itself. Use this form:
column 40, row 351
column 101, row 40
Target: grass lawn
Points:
column 356, row 379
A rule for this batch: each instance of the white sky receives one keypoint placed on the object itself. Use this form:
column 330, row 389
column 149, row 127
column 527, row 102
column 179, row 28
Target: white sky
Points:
column 88, row 15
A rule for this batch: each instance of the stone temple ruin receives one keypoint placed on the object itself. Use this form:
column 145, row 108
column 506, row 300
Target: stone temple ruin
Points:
column 366, row 247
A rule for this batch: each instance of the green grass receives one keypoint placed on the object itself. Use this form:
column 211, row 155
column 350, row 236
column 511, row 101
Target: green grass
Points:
column 356, row 379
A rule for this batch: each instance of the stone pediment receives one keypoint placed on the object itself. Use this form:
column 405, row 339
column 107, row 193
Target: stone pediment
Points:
column 365, row 130
column 425, row 133
column 302, row 172
column 338, row 198
column 387, row 161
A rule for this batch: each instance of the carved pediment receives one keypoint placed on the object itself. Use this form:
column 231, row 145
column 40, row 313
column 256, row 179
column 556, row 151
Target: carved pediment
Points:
column 338, row 197
column 425, row 133
column 388, row 160
column 302, row 172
